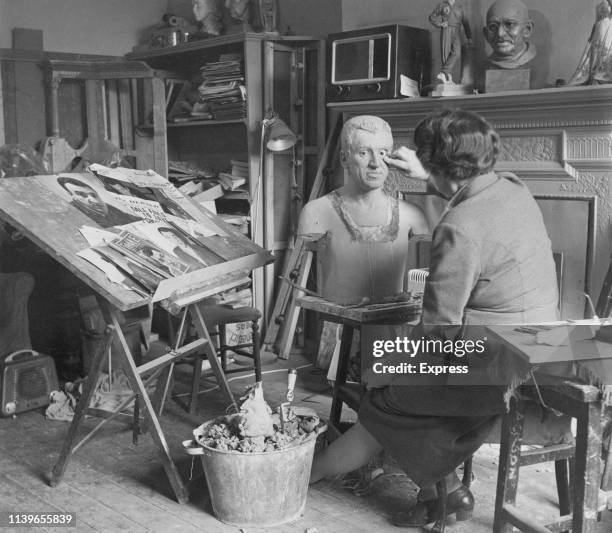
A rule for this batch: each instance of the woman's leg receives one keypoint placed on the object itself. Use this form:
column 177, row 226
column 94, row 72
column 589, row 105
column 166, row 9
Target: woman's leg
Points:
column 348, row 452
column 429, row 493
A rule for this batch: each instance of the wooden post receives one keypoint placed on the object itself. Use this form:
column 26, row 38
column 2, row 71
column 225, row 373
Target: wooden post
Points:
column 81, row 409
column 509, row 464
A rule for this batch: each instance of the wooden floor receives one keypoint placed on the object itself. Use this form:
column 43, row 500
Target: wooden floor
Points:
column 114, row 486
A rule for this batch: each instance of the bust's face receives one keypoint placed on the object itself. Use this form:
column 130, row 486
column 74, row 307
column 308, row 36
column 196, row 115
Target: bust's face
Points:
column 364, row 159
column 507, row 29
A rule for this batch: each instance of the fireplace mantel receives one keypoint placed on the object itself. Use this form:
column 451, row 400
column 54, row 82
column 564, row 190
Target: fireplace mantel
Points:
column 547, row 134
column 560, row 142
column 559, row 107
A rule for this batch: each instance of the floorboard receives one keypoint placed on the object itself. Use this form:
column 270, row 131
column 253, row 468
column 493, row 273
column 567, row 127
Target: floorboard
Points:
column 114, row 486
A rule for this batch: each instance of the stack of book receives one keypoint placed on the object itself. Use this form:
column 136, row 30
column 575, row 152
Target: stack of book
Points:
column 222, row 89
column 235, row 181
column 181, row 171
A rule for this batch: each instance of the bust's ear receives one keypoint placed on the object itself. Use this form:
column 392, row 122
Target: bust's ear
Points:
column 528, row 28
column 485, row 33
column 343, row 158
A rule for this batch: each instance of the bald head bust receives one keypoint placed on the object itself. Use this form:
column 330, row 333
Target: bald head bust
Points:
column 507, row 29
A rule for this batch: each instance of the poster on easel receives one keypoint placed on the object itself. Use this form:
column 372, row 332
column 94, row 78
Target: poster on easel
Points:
column 134, row 227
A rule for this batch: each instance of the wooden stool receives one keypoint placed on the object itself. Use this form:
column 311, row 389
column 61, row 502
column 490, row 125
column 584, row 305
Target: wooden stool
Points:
column 216, row 318
column 583, row 402
column 352, row 318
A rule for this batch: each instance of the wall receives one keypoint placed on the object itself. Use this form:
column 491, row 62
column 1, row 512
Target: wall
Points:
column 310, row 17
column 81, row 26
column 561, row 26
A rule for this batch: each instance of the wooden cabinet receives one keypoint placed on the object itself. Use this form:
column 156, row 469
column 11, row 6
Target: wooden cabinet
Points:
column 284, row 74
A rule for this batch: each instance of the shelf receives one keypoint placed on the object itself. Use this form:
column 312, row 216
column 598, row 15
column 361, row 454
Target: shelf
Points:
column 206, row 122
column 235, row 195
column 213, row 42
column 196, row 123
column 568, row 105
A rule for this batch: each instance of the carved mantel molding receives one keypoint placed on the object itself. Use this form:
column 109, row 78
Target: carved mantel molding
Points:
column 547, row 134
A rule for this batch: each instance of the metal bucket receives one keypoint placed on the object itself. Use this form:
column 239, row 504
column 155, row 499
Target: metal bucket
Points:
column 261, row 489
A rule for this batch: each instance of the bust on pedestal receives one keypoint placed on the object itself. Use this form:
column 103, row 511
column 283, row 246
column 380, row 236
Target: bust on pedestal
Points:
column 507, row 29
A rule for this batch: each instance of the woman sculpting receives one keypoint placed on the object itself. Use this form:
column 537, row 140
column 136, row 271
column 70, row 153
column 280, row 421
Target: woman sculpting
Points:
column 491, row 263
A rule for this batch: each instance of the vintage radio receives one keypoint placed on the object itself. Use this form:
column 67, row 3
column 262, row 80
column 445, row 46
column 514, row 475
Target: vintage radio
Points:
column 378, row 63
column 28, row 378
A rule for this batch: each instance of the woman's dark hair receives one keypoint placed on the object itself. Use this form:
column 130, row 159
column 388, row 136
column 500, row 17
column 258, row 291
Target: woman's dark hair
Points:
column 456, row 144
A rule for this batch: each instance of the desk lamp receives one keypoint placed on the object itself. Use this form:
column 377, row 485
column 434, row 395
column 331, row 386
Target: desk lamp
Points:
column 276, row 137
column 280, row 136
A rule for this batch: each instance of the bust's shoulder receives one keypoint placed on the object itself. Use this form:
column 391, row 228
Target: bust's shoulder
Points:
column 315, row 215
column 413, row 215
column 313, row 206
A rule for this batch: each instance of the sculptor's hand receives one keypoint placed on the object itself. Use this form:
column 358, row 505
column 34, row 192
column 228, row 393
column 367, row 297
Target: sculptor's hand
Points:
column 407, row 161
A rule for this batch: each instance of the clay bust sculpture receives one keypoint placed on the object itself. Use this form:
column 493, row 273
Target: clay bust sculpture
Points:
column 449, row 16
column 210, row 16
column 367, row 230
column 507, row 29
column 595, row 65
column 240, row 11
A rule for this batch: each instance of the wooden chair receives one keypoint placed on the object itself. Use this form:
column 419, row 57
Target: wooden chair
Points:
column 217, row 317
column 575, row 466
column 582, row 402
column 118, row 96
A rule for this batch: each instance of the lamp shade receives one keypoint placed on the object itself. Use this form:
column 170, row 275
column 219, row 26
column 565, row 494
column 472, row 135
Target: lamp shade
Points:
column 280, row 136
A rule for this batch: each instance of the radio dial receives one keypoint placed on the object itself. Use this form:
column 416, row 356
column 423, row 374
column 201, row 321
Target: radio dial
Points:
column 373, row 87
column 342, row 90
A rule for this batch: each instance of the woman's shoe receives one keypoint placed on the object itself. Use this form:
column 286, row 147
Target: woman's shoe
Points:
column 460, row 502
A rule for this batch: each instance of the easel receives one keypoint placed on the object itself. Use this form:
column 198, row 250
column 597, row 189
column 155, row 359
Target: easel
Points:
column 283, row 320
column 161, row 369
column 53, row 224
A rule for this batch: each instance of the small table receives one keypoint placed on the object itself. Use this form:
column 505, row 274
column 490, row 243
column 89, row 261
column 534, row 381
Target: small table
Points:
column 351, row 318
column 570, row 396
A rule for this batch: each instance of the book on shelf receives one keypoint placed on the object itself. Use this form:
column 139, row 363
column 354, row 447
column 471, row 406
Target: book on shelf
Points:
column 223, row 90
column 186, row 170
column 210, row 193
column 237, row 194
column 239, row 168
column 177, row 99
column 229, row 181
column 191, row 188
column 181, row 119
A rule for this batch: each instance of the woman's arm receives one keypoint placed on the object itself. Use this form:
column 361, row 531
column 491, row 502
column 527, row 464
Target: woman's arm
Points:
column 407, row 161
column 454, row 270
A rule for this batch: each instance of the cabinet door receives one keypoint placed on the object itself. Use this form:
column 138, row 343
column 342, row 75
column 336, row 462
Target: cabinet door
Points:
column 290, row 92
